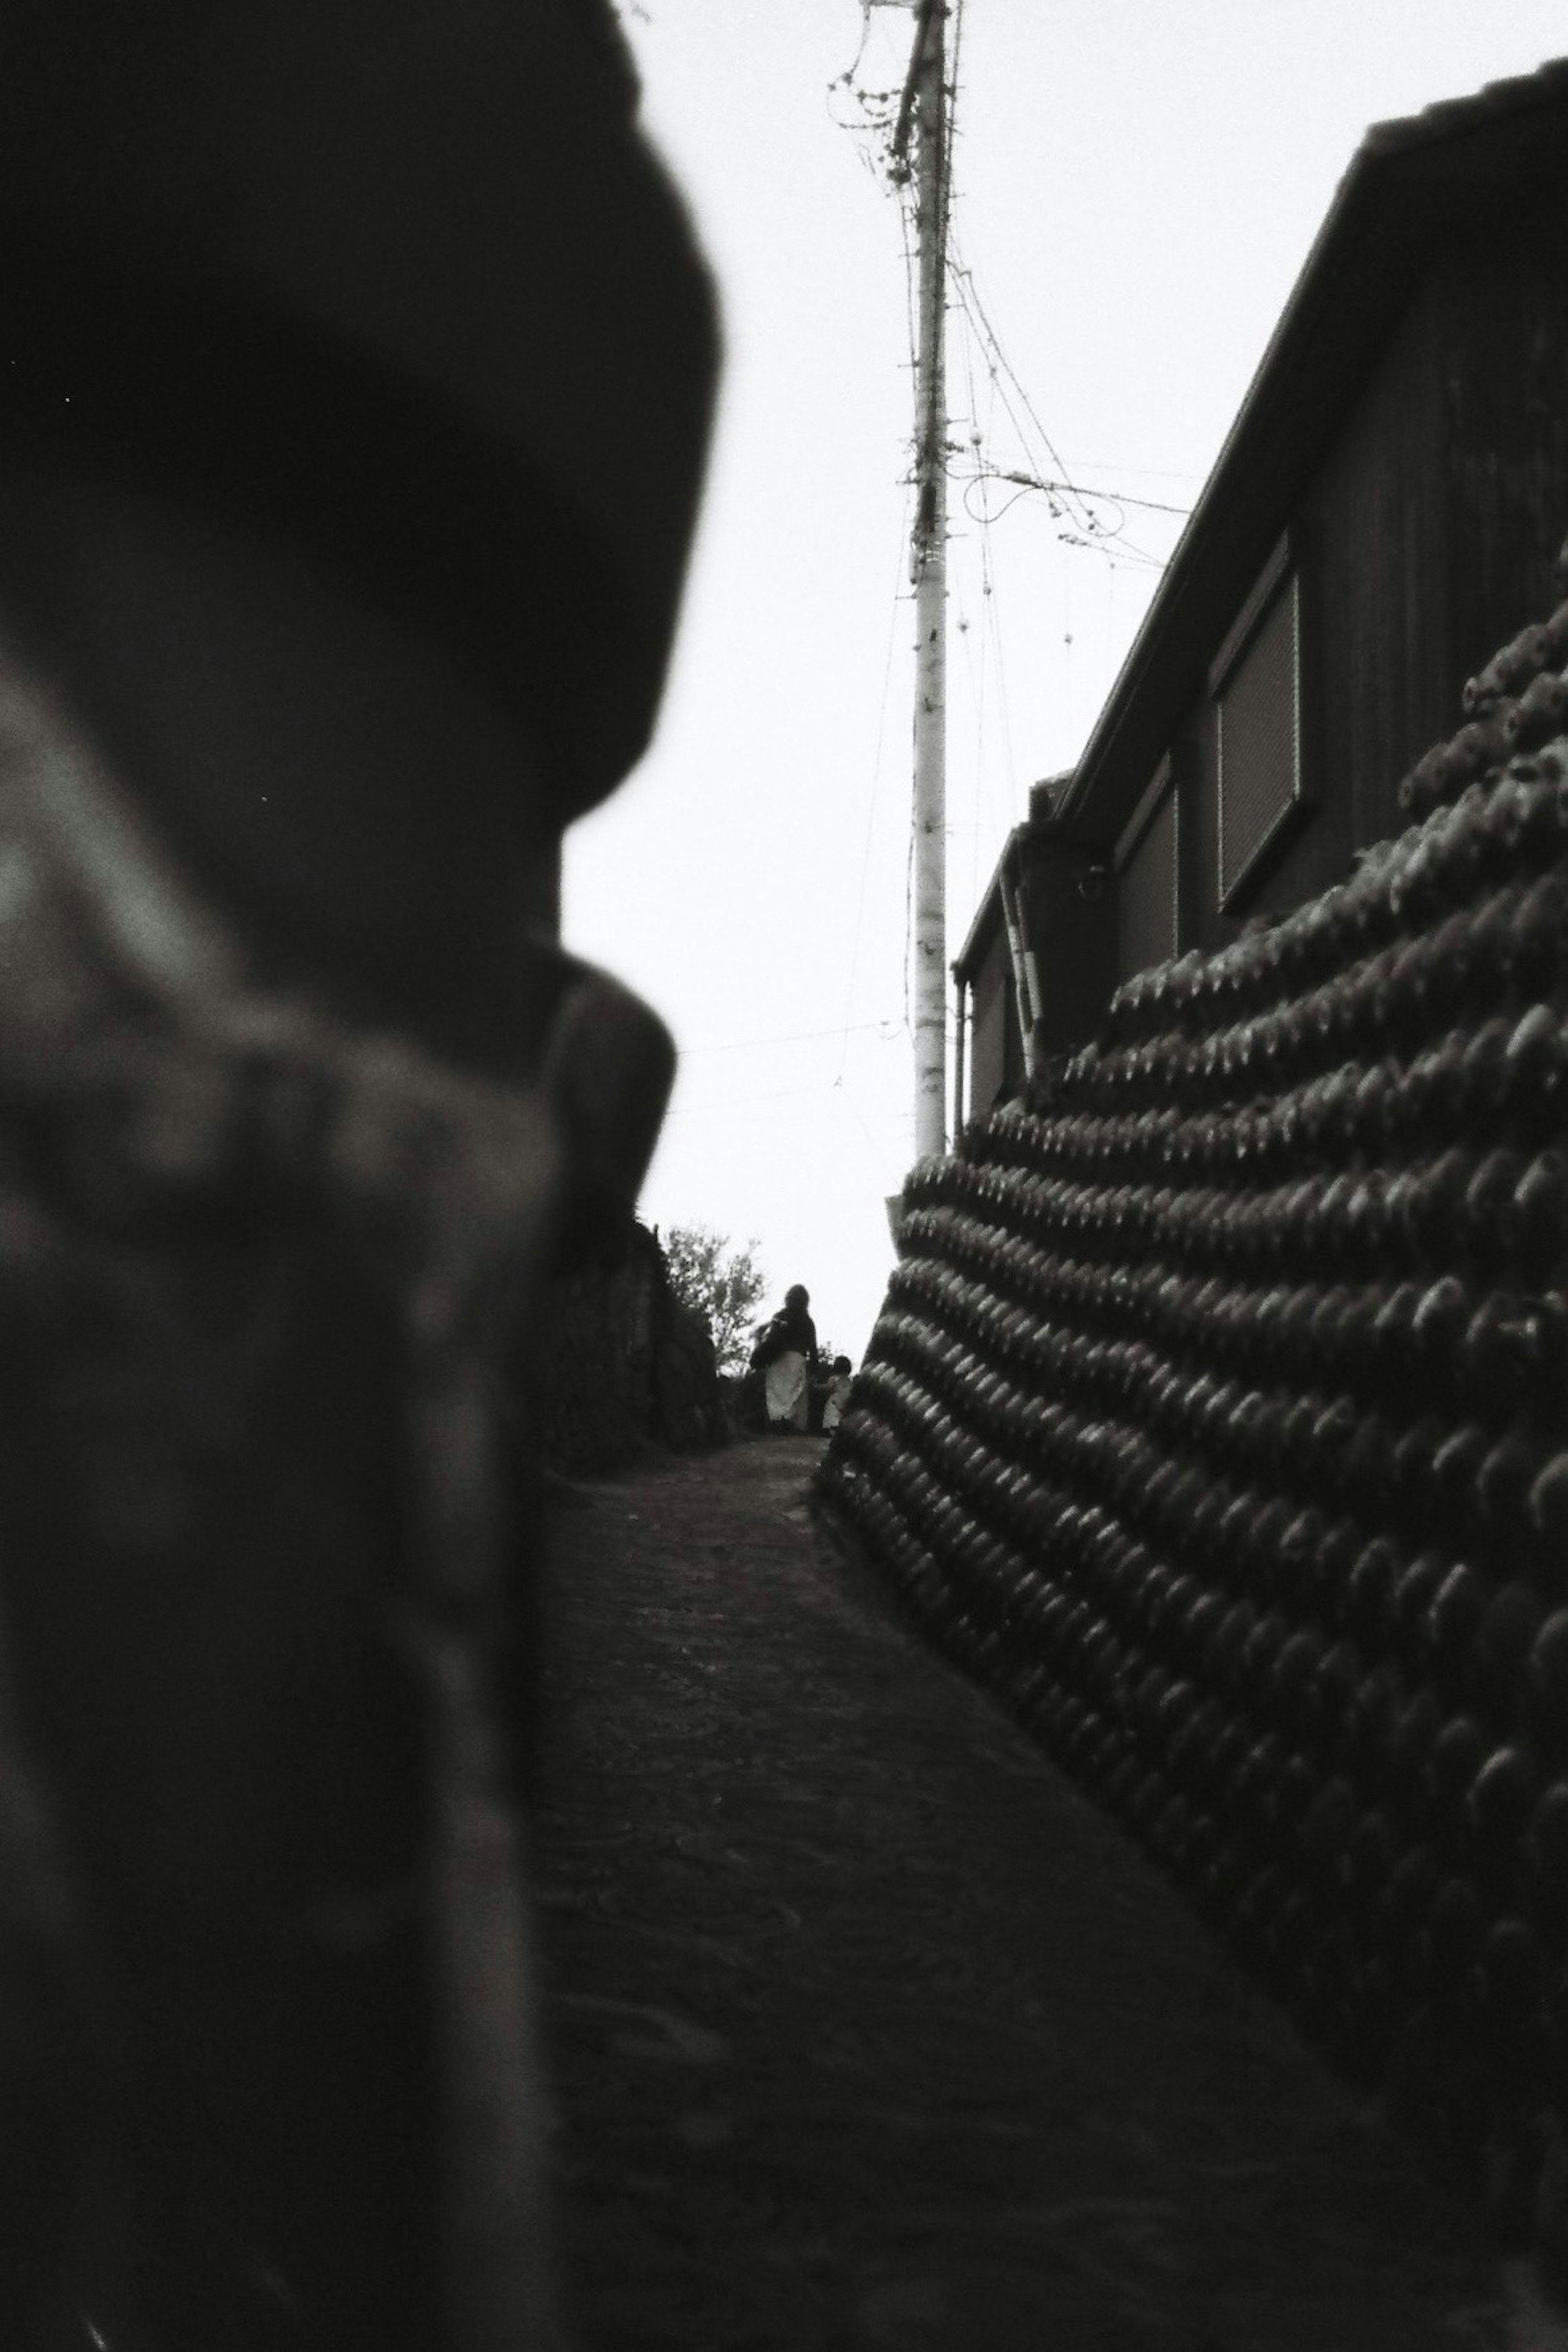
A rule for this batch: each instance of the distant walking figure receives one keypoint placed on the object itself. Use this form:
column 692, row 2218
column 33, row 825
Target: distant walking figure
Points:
column 838, row 1389
column 789, row 1352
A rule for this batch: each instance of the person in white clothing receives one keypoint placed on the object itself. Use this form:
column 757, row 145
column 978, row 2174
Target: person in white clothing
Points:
column 786, row 1352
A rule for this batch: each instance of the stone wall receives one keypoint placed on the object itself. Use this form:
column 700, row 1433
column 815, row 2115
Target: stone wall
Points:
column 1217, row 1415
column 620, row 1365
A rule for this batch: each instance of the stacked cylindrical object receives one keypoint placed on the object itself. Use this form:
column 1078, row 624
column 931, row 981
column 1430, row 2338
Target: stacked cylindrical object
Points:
column 1217, row 1415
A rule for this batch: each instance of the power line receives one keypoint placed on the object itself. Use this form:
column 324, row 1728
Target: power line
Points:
column 1118, row 498
column 793, row 1037
column 977, row 669
column 1078, row 502
column 741, row 1102
column 991, row 626
column 875, row 780
column 970, row 294
column 823, row 1093
column 883, row 125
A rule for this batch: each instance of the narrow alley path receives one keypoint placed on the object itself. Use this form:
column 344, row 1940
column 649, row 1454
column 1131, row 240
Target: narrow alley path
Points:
column 870, row 2031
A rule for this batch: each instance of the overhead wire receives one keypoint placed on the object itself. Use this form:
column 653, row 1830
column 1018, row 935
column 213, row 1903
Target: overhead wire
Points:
column 742, row 1102
column 876, row 790
column 990, row 597
column 817, row 1089
column 1072, row 502
column 1067, row 500
column 950, row 125
column 789, row 1037
column 846, row 78
column 970, row 294
column 1077, row 489
column 977, row 669
column 877, row 1151
column 993, row 622
column 1070, row 506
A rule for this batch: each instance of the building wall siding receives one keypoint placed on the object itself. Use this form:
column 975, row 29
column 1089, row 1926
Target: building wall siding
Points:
column 1422, row 533
column 1458, row 439
column 1148, row 891
column 1069, row 912
column 1501, row 342
column 992, row 987
column 1374, row 522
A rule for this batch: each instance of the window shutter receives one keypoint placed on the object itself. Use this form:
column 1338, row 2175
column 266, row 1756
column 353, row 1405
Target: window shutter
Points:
column 1147, row 892
column 1258, row 702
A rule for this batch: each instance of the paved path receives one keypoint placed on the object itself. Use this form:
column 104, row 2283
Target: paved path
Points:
column 871, row 2032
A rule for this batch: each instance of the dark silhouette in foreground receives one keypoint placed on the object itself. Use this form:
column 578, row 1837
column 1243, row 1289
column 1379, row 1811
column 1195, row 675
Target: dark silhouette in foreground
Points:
column 314, row 634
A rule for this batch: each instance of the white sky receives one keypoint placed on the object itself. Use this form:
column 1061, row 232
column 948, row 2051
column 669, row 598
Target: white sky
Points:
column 1136, row 184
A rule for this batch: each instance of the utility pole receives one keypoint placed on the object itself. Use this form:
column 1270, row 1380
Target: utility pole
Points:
column 924, row 108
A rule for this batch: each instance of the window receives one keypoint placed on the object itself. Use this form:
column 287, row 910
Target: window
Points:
column 987, row 1034
column 1147, row 888
column 1257, row 687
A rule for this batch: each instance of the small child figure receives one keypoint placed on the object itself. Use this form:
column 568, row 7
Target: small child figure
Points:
column 838, row 1389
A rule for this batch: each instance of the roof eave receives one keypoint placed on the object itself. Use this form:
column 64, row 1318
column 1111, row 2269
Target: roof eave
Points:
column 987, row 914
column 1407, row 183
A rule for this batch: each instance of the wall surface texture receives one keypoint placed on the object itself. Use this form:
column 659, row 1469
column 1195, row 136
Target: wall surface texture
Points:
column 621, row 1365
column 1217, row 1416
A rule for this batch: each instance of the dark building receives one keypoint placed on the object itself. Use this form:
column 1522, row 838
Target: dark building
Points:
column 1043, row 939
column 1385, row 512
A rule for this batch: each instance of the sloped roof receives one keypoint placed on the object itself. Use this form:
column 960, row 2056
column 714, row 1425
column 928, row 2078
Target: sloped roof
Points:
column 1045, row 798
column 987, row 914
column 1409, row 181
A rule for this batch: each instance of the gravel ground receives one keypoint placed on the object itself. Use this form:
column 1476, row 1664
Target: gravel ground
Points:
column 870, row 2031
